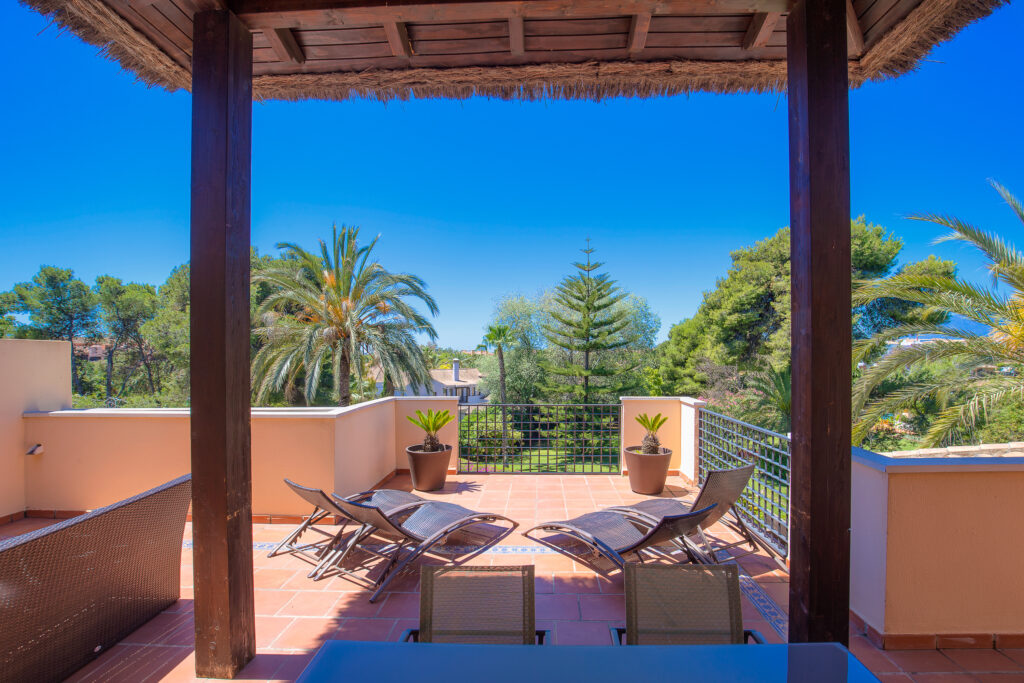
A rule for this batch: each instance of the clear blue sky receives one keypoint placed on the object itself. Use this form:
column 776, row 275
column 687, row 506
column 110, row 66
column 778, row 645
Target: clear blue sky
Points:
column 484, row 197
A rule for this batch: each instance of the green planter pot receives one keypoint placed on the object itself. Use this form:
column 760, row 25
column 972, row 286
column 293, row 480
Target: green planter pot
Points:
column 429, row 470
column 647, row 473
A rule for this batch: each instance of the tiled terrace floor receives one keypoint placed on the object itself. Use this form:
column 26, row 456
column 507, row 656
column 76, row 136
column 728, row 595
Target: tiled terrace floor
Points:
column 295, row 615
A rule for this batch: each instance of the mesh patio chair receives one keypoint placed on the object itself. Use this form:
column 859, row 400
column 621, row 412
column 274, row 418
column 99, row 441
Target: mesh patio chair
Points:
column 328, row 551
column 614, row 534
column 491, row 605
column 683, row 605
column 412, row 530
column 722, row 488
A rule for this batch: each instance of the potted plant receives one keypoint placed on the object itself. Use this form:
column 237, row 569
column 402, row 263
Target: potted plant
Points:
column 428, row 462
column 647, row 463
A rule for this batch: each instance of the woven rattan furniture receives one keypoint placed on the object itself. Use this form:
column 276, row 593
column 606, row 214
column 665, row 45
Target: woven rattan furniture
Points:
column 74, row 589
column 683, row 605
column 482, row 605
column 331, row 549
column 614, row 534
column 722, row 488
column 410, row 530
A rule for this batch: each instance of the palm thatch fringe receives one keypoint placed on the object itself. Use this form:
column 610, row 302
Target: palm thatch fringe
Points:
column 95, row 22
column 897, row 52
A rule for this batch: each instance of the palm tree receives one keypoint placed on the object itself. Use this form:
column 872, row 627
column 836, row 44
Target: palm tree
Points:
column 774, row 389
column 499, row 338
column 332, row 307
column 970, row 394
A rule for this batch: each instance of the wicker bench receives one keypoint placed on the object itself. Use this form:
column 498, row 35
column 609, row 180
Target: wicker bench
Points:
column 72, row 590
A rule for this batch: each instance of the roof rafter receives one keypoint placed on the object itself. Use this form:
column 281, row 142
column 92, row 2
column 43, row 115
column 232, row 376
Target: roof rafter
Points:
column 854, row 33
column 398, row 38
column 760, row 31
column 638, row 32
column 516, row 39
column 285, row 46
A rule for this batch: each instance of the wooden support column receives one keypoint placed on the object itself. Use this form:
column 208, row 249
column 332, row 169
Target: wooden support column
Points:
column 819, row 162
column 221, row 467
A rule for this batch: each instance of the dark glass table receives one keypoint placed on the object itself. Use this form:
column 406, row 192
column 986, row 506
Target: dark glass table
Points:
column 374, row 662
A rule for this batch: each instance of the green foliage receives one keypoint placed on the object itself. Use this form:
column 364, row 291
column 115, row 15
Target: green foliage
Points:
column 125, row 308
column 585, row 326
column 651, row 424
column 8, row 305
column 328, row 309
column 431, row 423
column 499, row 338
column 1004, row 423
column 991, row 364
column 774, row 391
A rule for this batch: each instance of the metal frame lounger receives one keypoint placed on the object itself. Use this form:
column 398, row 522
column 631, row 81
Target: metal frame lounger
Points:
column 328, row 552
column 683, row 605
column 617, row 533
column 489, row 605
column 428, row 524
column 722, row 488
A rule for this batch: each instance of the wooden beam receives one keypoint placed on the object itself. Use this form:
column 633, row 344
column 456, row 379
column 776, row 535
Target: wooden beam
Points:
column 398, row 38
column 309, row 14
column 638, row 32
column 819, row 162
column 221, row 466
column 760, row 30
column 282, row 40
column 854, row 33
column 516, row 39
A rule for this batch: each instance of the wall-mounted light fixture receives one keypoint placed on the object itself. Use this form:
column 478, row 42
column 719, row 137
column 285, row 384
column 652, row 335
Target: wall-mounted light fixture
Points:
column 36, row 450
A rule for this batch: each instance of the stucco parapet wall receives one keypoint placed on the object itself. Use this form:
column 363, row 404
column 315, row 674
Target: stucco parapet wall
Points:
column 294, row 413
column 980, row 463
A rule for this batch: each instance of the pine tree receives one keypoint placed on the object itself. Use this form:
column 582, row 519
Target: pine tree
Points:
column 586, row 324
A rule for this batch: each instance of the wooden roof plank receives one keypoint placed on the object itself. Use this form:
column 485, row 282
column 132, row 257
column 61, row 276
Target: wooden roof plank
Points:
column 760, row 30
column 260, row 14
column 854, row 34
column 283, row 42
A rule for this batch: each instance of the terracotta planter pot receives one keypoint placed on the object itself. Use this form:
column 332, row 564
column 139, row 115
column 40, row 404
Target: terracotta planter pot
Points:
column 428, row 470
column 647, row 473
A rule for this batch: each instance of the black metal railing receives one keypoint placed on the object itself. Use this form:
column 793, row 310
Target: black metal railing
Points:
column 724, row 443
column 543, row 438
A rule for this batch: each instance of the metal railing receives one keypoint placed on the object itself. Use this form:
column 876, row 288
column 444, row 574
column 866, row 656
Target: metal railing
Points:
column 724, row 443
column 542, row 438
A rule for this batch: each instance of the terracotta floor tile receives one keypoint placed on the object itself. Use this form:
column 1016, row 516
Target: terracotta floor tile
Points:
column 269, row 601
column 893, row 677
column 998, row 677
column 576, row 583
column 557, row 606
column 401, row 606
column 923, row 661
column 310, row 604
column 584, row 632
column 603, row 607
column 292, row 665
column 269, row 628
column 943, row 678
column 272, row 578
column 356, row 604
column 870, row 656
column 157, row 627
column 364, row 629
column 1015, row 655
column 979, row 661
column 306, row 633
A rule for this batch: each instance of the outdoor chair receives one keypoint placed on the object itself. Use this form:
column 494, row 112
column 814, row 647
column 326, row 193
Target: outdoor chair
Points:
column 411, row 530
column 481, row 605
column 723, row 489
column 614, row 534
column 683, row 605
column 72, row 590
column 332, row 549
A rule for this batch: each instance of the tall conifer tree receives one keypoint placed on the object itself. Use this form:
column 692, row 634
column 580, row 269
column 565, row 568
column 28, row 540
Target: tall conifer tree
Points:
column 587, row 323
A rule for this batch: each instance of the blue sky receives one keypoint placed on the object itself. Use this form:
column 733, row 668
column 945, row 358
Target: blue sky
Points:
column 484, row 198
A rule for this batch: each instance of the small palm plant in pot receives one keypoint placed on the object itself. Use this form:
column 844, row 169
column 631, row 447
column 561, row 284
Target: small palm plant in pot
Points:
column 428, row 462
column 647, row 464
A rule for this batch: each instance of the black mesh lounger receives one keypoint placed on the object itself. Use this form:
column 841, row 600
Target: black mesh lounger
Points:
column 412, row 530
column 722, row 488
column 332, row 549
column 616, row 533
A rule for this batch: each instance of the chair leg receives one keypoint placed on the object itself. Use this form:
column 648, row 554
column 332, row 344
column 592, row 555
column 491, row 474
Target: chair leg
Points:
column 296, row 533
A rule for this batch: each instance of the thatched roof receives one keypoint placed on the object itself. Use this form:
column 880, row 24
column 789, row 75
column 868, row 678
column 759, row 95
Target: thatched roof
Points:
column 896, row 36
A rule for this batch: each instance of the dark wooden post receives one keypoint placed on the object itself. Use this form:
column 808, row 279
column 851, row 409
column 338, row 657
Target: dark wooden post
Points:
column 819, row 162
column 221, row 466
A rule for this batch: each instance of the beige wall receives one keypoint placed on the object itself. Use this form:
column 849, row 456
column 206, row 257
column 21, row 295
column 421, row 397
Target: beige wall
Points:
column 868, row 531
column 363, row 446
column 670, row 434
column 955, row 552
column 34, row 375
column 407, row 434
